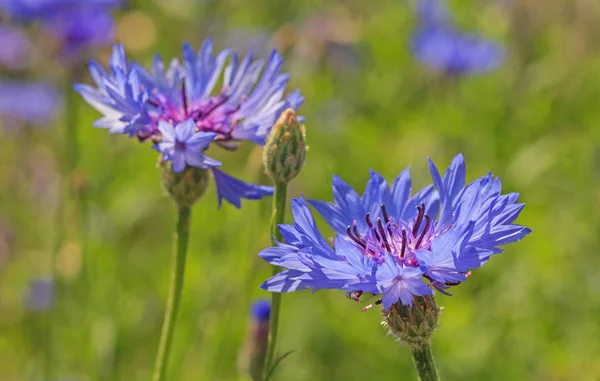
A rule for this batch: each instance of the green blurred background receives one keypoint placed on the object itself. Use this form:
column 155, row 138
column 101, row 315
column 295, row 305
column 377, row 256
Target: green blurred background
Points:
column 532, row 313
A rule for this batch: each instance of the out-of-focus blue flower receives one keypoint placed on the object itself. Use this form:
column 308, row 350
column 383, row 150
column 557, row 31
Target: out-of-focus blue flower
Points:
column 439, row 44
column 80, row 28
column 15, row 48
column 31, row 10
column 261, row 310
column 432, row 12
column 40, row 295
column 28, row 102
column 251, row 360
column 134, row 101
column 75, row 24
column 391, row 243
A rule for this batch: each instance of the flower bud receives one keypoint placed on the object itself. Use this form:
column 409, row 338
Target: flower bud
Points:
column 285, row 151
column 252, row 357
column 187, row 186
column 413, row 325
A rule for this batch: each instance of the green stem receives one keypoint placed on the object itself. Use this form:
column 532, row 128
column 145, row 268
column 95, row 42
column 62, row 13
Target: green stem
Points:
column 277, row 216
column 423, row 360
column 71, row 149
column 177, row 277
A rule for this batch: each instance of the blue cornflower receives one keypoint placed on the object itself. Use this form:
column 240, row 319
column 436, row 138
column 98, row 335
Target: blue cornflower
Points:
column 439, row 44
column 392, row 244
column 32, row 10
column 40, row 295
column 75, row 24
column 28, row 102
column 261, row 310
column 134, row 102
column 182, row 145
column 16, row 48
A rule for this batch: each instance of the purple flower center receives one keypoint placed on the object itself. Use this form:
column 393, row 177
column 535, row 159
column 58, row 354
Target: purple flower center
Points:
column 212, row 114
column 397, row 238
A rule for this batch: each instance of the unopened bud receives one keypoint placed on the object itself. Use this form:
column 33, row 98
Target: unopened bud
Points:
column 285, row 151
column 187, row 186
column 413, row 325
column 252, row 357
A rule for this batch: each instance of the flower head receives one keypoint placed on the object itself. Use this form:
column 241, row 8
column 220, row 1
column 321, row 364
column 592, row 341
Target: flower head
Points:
column 31, row 10
column 16, row 48
column 75, row 24
column 251, row 359
column 178, row 104
column 394, row 244
column 28, row 102
column 40, row 295
column 81, row 27
column 261, row 310
column 440, row 45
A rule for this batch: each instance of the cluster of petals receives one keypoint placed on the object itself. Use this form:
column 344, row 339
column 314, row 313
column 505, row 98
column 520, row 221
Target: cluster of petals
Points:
column 439, row 44
column 178, row 108
column 395, row 244
column 75, row 24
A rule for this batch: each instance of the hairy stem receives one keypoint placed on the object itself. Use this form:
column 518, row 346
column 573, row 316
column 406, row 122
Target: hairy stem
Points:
column 174, row 301
column 423, row 360
column 279, row 201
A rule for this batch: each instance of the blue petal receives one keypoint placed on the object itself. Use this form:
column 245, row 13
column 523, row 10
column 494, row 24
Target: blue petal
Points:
column 306, row 226
column 332, row 214
column 377, row 192
column 348, row 208
column 448, row 188
column 233, row 190
column 285, row 281
column 400, row 194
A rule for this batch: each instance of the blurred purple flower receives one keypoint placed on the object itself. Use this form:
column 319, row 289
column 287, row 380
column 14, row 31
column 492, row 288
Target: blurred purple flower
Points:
column 432, row 12
column 249, row 40
column 76, row 24
column 31, row 10
column 440, row 45
column 80, row 28
column 28, row 102
column 16, row 48
column 451, row 51
column 40, row 295
column 261, row 310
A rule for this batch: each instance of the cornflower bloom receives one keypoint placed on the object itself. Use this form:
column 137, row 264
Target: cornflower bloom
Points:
column 75, row 24
column 395, row 245
column 176, row 108
column 439, row 44
column 28, row 102
column 40, row 295
column 16, row 48
column 251, row 359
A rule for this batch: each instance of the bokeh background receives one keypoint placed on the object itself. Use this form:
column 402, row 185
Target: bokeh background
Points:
column 532, row 313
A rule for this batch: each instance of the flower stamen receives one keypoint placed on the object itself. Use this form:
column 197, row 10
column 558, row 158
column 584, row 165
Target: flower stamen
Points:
column 421, row 213
column 404, row 238
column 356, row 238
column 425, row 230
column 383, row 235
column 386, row 218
